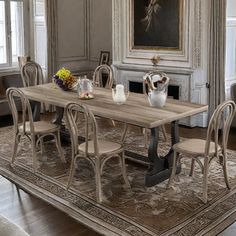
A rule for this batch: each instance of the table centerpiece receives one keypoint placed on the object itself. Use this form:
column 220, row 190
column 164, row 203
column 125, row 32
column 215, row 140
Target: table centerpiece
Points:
column 64, row 79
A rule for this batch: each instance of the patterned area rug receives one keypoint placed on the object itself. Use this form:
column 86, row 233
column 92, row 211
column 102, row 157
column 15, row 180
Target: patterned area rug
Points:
column 136, row 211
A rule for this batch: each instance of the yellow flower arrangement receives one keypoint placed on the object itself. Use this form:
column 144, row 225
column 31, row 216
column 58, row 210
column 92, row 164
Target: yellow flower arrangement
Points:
column 64, row 79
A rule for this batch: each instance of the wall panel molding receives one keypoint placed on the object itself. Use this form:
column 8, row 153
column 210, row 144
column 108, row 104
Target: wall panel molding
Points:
column 100, row 28
column 72, row 31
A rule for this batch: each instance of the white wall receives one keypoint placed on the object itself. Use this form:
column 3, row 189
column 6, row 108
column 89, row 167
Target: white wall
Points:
column 84, row 30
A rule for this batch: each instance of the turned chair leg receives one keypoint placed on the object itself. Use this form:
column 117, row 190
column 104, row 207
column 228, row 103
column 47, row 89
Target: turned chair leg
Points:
column 42, row 149
column 174, row 168
column 15, row 146
column 71, row 174
column 98, row 180
column 224, row 166
column 192, row 168
column 113, row 123
column 145, row 133
column 123, row 169
column 163, row 129
column 205, row 179
column 59, row 148
column 33, row 144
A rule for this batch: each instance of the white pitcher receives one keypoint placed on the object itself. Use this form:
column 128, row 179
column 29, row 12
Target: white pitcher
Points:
column 157, row 98
column 118, row 94
column 156, row 95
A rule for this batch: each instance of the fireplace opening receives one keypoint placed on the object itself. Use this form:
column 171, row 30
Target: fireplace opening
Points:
column 137, row 87
column 173, row 91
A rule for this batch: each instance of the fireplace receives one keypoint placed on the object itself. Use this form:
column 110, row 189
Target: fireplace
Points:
column 137, row 87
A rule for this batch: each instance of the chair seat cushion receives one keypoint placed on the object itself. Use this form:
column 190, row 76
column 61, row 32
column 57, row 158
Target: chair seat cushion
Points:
column 39, row 127
column 194, row 146
column 104, row 147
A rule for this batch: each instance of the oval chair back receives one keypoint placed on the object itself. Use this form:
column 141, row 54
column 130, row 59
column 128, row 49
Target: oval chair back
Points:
column 221, row 119
column 72, row 111
column 15, row 95
column 31, row 74
column 150, row 78
column 97, row 76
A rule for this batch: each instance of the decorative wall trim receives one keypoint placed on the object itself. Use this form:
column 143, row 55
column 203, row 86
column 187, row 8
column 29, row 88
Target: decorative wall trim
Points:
column 198, row 33
column 99, row 28
column 116, row 29
column 83, row 56
column 121, row 39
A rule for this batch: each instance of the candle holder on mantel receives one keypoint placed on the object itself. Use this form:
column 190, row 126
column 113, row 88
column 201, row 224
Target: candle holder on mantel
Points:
column 155, row 60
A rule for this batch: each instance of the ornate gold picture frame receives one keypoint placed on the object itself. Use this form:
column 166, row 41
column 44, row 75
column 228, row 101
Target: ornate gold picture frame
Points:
column 156, row 24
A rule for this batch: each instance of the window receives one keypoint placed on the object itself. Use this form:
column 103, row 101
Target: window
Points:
column 11, row 32
column 40, row 33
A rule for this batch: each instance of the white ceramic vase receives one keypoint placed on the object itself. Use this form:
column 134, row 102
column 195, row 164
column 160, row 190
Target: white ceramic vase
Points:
column 118, row 94
column 157, row 98
column 157, row 95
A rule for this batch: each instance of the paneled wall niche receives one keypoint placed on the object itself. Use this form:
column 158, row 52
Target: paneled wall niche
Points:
column 84, row 29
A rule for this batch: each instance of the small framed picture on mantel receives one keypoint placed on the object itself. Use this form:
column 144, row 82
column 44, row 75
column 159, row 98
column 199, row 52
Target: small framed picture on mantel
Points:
column 104, row 57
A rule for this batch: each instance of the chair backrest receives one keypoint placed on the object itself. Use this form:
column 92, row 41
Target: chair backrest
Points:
column 97, row 76
column 15, row 95
column 31, row 74
column 22, row 60
column 72, row 111
column 153, row 76
column 221, row 119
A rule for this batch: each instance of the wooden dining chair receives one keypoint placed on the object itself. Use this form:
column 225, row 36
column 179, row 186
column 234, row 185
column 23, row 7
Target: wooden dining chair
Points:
column 207, row 150
column 152, row 76
column 22, row 60
column 31, row 74
column 98, row 76
column 25, row 126
column 96, row 151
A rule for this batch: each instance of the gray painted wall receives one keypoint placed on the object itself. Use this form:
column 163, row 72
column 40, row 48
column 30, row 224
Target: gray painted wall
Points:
column 84, row 29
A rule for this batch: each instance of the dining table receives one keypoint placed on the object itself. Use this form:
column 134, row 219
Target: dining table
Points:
column 135, row 111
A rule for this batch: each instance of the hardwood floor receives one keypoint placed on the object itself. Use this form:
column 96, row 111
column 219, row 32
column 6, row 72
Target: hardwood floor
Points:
column 39, row 218
column 35, row 216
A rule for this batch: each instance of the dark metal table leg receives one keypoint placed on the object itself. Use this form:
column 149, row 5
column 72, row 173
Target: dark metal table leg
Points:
column 65, row 136
column 36, row 107
column 59, row 115
column 160, row 167
column 174, row 140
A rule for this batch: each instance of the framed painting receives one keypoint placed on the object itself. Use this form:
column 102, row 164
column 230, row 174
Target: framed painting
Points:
column 157, row 24
column 104, row 57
